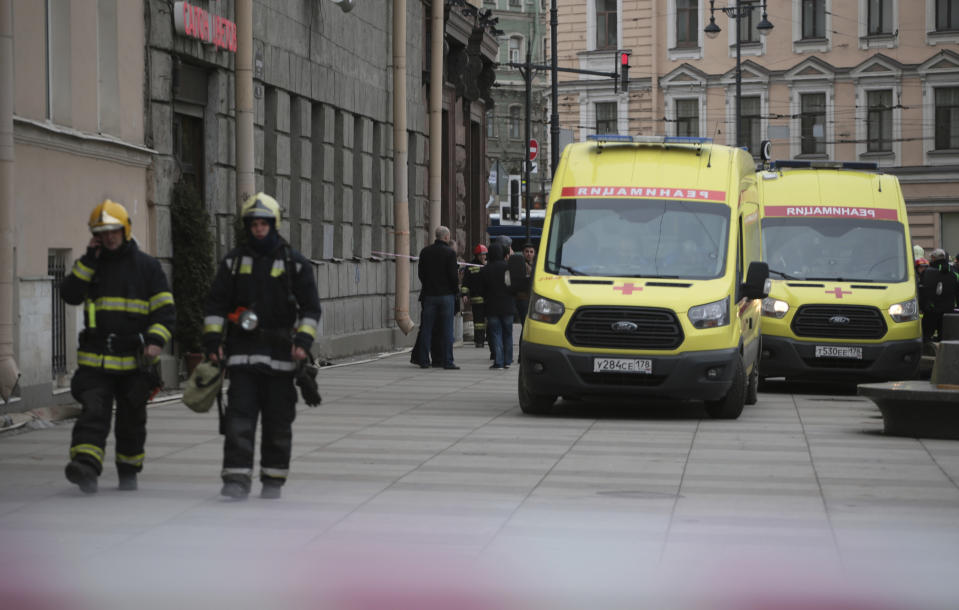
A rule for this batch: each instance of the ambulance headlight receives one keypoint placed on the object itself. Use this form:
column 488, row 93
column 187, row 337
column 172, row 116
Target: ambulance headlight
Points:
column 710, row 315
column 907, row 311
column 774, row 308
column 546, row 310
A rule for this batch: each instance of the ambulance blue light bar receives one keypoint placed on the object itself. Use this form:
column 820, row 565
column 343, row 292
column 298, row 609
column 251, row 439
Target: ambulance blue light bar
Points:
column 611, row 138
column 867, row 166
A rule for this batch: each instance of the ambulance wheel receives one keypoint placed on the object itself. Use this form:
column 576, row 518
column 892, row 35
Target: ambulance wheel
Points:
column 731, row 405
column 752, row 386
column 533, row 404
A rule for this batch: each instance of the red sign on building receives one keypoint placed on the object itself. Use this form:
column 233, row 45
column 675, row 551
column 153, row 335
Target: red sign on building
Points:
column 196, row 22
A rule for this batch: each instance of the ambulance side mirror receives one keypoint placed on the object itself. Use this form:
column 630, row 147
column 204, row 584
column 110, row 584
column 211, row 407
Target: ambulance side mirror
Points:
column 756, row 285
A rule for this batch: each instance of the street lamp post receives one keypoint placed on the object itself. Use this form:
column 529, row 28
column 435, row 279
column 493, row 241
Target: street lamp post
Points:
column 712, row 30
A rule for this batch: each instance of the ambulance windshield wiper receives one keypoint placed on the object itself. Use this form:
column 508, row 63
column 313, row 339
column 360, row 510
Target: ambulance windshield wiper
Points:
column 783, row 275
column 571, row 270
column 839, row 279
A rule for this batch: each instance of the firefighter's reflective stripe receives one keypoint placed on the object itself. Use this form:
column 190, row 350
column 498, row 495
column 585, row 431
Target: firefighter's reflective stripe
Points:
column 160, row 299
column 247, row 472
column 132, row 460
column 91, row 314
column 252, row 359
column 278, row 268
column 464, row 290
column 82, row 271
column 107, row 361
column 276, row 473
column 308, row 326
column 479, row 325
column 477, row 300
column 246, row 265
column 91, row 450
column 213, row 324
column 160, row 331
column 125, row 305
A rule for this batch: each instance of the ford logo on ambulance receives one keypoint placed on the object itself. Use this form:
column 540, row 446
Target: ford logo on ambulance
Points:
column 625, row 326
column 839, row 320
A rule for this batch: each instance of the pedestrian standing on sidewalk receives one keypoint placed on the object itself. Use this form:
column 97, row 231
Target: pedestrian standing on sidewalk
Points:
column 499, row 305
column 265, row 294
column 128, row 318
column 439, row 277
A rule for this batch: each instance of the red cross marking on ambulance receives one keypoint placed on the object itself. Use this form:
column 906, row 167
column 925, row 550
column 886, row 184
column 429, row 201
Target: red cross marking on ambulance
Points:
column 628, row 288
column 839, row 292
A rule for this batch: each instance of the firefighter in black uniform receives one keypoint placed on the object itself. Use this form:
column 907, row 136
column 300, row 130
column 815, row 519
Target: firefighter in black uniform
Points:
column 128, row 318
column 265, row 297
column 471, row 288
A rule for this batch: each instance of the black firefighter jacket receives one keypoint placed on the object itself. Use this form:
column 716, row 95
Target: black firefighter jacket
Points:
column 127, row 304
column 286, row 304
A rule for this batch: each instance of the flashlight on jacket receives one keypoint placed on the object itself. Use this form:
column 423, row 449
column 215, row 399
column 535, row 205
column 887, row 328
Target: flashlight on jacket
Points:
column 244, row 318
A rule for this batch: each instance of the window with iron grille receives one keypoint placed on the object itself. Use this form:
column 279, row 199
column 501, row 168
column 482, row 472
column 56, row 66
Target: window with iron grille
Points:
column 606, row 24
column 56, row 269
column 813, row 123
column 687, row 118
column 947, row 15
column 880, row 17
column 750, row 123
column 947, row 118
column 687, row 23
column 813, row 19
column 879, row 121
column 606, row 117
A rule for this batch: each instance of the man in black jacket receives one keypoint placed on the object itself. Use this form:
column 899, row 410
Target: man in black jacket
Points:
column 437, row 270
column 128, row 318
column 937, row 294
column 499, row 305
column 265, row 293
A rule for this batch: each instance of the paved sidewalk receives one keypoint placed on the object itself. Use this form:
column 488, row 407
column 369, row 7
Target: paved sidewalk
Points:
column 429, row 489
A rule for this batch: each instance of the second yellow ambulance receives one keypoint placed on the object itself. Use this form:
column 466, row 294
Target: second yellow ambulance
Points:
column 843, row 299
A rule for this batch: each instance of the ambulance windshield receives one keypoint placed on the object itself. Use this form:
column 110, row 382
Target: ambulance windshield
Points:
column 840, row 249
column 638, row 238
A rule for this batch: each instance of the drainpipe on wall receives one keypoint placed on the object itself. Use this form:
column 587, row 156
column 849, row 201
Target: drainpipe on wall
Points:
column 9, row 372
column 436, row 116
column 245, row 181
column 401, row 212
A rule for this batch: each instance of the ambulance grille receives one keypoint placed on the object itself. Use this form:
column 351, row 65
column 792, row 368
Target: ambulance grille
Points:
column 655, row 328
column 839, row 322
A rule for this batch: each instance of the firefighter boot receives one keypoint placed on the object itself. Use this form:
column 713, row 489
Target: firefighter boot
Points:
column 128, row 481
column 271, row 489
column 82, row 475
column 238, row 489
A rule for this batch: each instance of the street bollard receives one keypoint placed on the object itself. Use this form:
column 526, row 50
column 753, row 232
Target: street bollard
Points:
column 950, row 327
column 945, row 372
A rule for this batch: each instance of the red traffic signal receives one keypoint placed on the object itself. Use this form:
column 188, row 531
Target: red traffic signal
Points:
column 624, row 69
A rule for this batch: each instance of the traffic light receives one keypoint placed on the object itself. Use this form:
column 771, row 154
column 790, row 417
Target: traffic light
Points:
column 514, row 199
column 624, row 69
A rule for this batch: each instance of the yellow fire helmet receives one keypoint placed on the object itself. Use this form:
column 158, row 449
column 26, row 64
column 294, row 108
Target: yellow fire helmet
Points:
column 110, row 216
column 261, row 205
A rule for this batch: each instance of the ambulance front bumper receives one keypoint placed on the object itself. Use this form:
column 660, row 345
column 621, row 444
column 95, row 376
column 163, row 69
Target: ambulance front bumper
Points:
column 554, row 371
column 889, row 361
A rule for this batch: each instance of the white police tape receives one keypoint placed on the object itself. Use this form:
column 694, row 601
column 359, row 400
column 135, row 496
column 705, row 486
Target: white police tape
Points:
column 416, row 258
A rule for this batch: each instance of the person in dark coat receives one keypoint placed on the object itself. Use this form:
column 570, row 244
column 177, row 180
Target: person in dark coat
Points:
column 937, row 294
column 499, row 306
column 439, row 276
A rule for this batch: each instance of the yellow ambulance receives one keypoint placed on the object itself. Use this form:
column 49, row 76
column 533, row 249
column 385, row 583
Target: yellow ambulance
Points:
column 649, row 280
column 843, row 300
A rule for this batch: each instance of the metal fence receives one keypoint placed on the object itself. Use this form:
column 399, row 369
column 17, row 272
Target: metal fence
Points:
column 56, row 268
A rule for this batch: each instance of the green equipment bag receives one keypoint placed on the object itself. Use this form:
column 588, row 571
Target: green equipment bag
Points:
column 203, row 386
